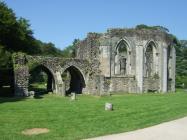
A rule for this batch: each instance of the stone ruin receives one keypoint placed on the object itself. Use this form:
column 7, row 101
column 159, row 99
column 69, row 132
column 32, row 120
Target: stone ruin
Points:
column 120, row 60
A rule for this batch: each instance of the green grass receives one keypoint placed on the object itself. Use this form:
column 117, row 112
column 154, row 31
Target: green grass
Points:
column 86, row 116
column 38, row 87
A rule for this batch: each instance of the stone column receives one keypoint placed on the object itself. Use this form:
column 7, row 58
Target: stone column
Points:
column 117, row 65
column 60, row 85
column 21, row 75
column 101, row 85
column 21, row 81
column 139, row 67
column 173, row 66
column 164, row 70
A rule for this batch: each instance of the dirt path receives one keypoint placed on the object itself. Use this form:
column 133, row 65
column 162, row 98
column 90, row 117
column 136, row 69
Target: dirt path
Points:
column 173, row 130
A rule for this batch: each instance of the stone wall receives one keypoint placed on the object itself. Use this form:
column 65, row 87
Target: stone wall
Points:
column 21, row 75
column 23, row 64
column 101, row 49
column 105, row 69
column 151, row 85
column 123, row 84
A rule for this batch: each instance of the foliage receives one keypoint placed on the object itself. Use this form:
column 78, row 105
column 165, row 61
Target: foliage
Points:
column 160, row 28
column 15, row 33
column 17, row 36
column 38, row 76
column 49, row 49
column 86, row 116
column 39, row 87
column 5, row 59
column 181, row 64
column 69, row 51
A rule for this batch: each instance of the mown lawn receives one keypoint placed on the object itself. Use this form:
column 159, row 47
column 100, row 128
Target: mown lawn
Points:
column 86, row 116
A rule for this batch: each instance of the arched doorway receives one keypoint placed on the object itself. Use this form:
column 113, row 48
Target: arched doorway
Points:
column 41, row 80
column 74, row 80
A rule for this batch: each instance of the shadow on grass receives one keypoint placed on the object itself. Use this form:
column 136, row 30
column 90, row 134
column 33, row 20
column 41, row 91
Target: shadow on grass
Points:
column 6, row 92
column 11, row 99
column 6, row 96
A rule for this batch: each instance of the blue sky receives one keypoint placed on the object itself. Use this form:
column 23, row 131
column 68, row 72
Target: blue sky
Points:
column 61, row 21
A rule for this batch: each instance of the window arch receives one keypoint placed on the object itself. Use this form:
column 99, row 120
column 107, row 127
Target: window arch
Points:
column 150, row 60
column 121, row 58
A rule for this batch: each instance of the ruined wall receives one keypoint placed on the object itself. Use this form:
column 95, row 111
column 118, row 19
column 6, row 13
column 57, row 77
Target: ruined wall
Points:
column 23, row 64
column 151, row 85
column 123, row 84
column 102, row 49
column 21, row 75
column 115, row 61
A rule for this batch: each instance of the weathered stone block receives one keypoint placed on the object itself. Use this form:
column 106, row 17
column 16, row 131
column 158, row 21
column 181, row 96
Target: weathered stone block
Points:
column 108, row 106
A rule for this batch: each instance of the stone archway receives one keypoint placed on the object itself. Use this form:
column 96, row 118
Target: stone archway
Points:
column 73, row 79
column 24, row 63
column 54, row 68
column 36, row 76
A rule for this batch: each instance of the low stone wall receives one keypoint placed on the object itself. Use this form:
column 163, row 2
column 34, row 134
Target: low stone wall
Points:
column 150, row 85
column 121, row 84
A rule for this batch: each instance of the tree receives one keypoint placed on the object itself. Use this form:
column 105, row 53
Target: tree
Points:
column 5, row 59
column 15, row 34
column 69, row 51
column 8, row 26
column 49, row 49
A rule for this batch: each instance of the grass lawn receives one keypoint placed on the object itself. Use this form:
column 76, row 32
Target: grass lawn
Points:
column 86, row 116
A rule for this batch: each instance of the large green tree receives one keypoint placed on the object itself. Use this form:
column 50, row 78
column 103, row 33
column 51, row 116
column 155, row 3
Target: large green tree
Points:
column 17, row 36
column 181, row 64
column 15, row 33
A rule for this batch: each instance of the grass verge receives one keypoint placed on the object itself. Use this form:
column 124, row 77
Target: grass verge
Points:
column 86, row 116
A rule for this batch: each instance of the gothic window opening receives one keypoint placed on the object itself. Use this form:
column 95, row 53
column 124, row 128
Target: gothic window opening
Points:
column 121, row 58
column 123, row 64
column 151, row 60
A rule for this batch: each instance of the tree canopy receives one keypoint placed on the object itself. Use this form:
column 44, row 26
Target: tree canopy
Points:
column 181, row 64
column 17, row 36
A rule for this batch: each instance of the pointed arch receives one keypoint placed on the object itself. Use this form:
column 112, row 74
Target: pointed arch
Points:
column 74, row 79
column 122, row 59
column 51, row 81
column 153, row 44
column 150, row 59
column 124, row 41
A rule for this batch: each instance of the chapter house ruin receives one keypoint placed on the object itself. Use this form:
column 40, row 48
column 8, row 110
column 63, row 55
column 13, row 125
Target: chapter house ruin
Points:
column 120, row 60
